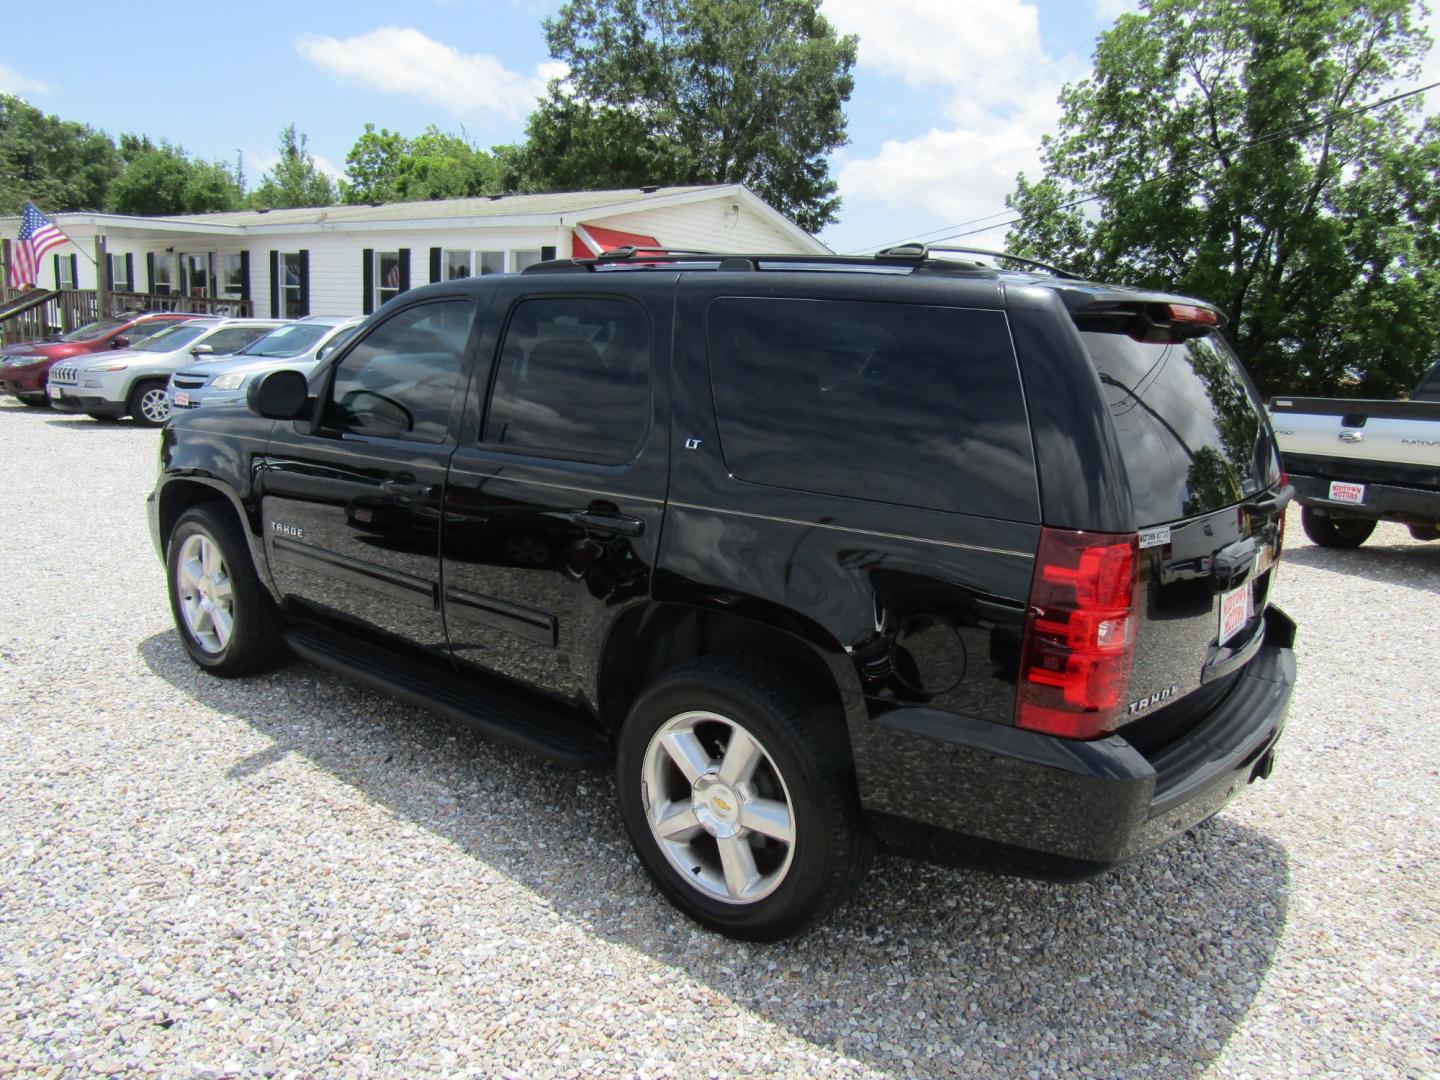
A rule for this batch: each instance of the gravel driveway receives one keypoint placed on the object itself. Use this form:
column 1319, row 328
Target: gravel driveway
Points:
column 290, row 876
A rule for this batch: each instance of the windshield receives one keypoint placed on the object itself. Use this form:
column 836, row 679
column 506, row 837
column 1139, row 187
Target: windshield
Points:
column 176, row 337
column 91, row 331
column 1191, row 430
column 288, row 340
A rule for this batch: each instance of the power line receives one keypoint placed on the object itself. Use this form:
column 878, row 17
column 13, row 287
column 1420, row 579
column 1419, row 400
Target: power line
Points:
column 1259, row 140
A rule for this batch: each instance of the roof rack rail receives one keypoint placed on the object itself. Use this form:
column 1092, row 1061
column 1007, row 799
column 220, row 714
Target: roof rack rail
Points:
column 921, row 253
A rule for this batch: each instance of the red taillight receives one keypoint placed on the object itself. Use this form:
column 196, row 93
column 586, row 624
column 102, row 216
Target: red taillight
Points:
column 1079, row 634
column 1193, row 313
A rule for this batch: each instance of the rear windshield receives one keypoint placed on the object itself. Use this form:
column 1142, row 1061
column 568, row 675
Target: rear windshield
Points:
column 1191, row 431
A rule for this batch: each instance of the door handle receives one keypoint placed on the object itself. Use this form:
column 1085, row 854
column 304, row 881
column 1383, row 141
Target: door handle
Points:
column 606, row 522
column 408, row 489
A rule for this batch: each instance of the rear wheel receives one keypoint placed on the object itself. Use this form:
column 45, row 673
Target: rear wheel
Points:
column 148, row 404
column 227, row 621
column 1332, row 532
column 739, row 798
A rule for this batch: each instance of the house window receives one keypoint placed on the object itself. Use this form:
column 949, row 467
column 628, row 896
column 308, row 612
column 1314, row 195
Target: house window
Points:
column 160, row 282
column 519, row 260
column 292, row 285
column 64, row 272
column 195, row 275
column 387, row 276
column 232, row 275
column 457, row 265
column 120, row 274
column 491, row 262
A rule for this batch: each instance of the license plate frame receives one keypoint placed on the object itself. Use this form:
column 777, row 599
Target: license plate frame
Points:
column 1343, row 491
column 1236, row 609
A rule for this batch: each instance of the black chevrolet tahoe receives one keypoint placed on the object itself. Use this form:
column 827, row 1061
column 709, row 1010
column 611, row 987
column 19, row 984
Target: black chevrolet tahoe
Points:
column 817, row 553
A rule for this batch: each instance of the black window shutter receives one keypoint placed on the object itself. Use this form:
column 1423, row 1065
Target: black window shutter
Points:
column 367, row 275
column 109, row 274
column 57, row 271
column 150, row 272
column 74, row 271
column 274, row 284
column 245, row 276
column 129, row 271
column 404, row 269
column 304, row 281
column 434, row 264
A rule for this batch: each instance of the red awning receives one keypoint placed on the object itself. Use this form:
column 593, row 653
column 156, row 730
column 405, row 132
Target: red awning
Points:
column 591, row 240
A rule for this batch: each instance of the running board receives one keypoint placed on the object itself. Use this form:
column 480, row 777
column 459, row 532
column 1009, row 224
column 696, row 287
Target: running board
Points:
column 495, row 712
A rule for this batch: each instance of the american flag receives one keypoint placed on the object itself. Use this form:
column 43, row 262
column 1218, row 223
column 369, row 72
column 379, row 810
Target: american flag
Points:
column 38, row 235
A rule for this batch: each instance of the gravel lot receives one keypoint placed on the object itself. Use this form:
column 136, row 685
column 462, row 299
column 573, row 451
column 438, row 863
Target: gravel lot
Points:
column 290, row 876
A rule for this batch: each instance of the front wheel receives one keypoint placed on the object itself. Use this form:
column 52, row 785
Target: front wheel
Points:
column 738, row 796
column 1331, row 532
column 227, row 621
column 149, row 405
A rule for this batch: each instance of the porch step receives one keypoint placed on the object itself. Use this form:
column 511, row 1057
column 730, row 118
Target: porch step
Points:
column 493, row 710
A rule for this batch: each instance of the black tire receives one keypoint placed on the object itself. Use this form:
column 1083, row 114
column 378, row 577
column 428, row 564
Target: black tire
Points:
column 138, row 407
column 34, row 401
column 1332, row 532
column 803, row 741
column 255, row 641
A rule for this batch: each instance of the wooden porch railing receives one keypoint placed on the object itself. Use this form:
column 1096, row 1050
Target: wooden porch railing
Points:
column 69, row 309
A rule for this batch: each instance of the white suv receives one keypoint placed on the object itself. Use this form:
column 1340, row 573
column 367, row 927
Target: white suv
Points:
column 131, row 382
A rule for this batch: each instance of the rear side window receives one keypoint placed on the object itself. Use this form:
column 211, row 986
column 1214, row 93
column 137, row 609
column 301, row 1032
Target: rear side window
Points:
column 896, row 403
column 573, row 380
column 401, row 380
column 1191, row 432
column 234, row 338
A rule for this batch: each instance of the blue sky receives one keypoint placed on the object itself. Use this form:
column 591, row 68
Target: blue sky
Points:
column 951, row 96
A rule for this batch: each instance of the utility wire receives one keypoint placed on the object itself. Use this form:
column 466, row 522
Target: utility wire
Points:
column 1259, row 140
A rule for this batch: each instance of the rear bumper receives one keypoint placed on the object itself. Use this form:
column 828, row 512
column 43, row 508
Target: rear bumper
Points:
column 1383, row 502
column 955, row 788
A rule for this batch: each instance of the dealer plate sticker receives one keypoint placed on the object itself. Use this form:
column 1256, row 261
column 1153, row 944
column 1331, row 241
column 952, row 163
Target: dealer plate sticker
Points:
column 1234, row 613
column 182, row 400
column 1340, row 491
column 1155, row 537
column 54, row 392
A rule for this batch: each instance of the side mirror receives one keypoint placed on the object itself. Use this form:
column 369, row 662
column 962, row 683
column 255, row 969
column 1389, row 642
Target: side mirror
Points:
column 119, row 341
column 202, row 350
column 279, row 395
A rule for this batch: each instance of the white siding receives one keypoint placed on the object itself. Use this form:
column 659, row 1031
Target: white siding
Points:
column 705, row 226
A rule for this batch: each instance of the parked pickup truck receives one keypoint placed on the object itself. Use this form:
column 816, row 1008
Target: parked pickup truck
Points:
column 1354, row 463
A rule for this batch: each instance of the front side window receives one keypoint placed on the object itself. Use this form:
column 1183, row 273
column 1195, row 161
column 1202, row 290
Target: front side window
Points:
column 172, row 338
column 387, row 276
column 234, row 338
column 909, row 404
column 120, row 274
column 457, row 265
column 141, row 331
column 292, row 286
column 400, row 381
column 573, row 380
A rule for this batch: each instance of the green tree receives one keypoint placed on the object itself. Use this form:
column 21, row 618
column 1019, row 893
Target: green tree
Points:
column 1230, row 150
column 384, row 166
column 56, row 164
column 693, row 91
column 164, row 180
column 295, row 180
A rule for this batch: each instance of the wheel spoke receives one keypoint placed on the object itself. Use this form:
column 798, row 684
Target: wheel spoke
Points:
column 222, row 622
column 768, row 817
column 678, row 822
column 689, row 756
column 742, row 754
column 223, row 590
column 208, row 557
column 190, row 574
column 738, row 862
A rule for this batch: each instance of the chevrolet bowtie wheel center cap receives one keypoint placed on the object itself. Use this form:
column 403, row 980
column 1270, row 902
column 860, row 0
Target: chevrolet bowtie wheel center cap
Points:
column 717, row 806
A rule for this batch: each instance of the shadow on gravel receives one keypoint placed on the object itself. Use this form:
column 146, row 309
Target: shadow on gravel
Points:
column 930, row 971
column 1411, row 566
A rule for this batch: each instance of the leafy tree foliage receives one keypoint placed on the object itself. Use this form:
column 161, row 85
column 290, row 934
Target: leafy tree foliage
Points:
column 57, row 164
column 693, row 91
column 1229, row 150
column 295, row 180
column 163, row 180
column 384, row 166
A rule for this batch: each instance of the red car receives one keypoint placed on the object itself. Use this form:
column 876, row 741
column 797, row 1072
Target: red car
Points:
column 23, row 367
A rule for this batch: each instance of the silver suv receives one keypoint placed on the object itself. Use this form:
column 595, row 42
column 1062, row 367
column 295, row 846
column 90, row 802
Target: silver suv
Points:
column 131, row 382
column 298, row 345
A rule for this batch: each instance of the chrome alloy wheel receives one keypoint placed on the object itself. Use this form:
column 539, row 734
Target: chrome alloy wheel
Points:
column 154, row 406
column 207, row 595
column 718, row 807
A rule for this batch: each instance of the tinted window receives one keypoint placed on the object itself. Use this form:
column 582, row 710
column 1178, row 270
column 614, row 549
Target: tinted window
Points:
column 573, row 379
column 893, row 403
column 1191, row 432
column 142, row 330
column 401, row 379
column 234, row 338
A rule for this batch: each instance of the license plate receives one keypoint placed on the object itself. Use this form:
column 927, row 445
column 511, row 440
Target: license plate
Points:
column 1234, row 612
column 182, row 400
column 54, row 392
column 1340, row 491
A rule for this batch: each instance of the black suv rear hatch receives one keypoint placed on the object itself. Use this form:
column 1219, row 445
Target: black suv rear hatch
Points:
column 1203, row 472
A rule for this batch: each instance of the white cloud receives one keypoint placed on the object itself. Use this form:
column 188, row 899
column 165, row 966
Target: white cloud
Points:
column 402, row 60
column 18, row 83
column 1110, row 10
column 258, row 162
column 997, row 90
